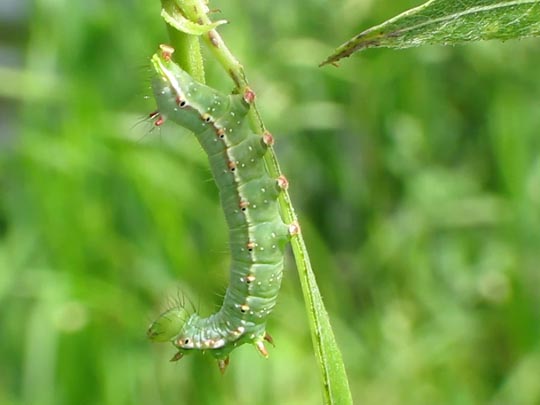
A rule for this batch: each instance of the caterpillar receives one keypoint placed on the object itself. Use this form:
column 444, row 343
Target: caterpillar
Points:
column 248, row 195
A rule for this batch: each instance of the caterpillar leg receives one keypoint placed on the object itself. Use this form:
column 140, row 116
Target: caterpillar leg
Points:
column 259, row 345
column 269, row 339
column 222, row 364
column 261, row 348
column 177, row 356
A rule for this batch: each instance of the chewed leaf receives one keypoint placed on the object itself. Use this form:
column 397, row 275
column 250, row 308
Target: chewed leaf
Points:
column 449, row 22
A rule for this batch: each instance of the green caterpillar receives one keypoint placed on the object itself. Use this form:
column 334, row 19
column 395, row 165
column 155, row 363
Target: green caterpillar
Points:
column 248, row 195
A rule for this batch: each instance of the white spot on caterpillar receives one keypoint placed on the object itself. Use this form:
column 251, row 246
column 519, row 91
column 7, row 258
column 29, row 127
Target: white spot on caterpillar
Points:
column 207, row 343
column 238, row 331
column 263, row 190
column 219, row 343
column 232, row 114
column 250, row 148
column 244, row 308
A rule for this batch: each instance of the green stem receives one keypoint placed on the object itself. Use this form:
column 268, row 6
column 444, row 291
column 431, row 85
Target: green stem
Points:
column 188, row 49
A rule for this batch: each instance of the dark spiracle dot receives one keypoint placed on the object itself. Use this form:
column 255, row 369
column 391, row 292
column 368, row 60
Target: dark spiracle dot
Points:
column 181, row 103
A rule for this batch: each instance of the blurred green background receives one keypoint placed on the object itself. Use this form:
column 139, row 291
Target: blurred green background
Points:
column 416, row 175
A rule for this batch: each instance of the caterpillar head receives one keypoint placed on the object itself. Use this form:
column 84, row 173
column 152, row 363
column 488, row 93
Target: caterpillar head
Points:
column 187, row 102
column 168, row 325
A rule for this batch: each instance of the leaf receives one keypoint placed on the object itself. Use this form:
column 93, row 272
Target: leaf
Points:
column 335, row 385
column 449, row 22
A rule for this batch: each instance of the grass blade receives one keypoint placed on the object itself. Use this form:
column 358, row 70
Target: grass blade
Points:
column 335, row 383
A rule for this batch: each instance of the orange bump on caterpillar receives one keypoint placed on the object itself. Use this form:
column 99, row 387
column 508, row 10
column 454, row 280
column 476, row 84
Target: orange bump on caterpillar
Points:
column 268, row 138
column 294, row 228
column 282, row 182
column 159, row 120
column 166, row 51
column 249, row 96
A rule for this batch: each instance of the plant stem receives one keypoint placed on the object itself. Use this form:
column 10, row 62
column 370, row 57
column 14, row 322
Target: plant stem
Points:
column 188, row 49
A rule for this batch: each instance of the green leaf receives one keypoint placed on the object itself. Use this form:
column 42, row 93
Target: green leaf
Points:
column 449, row 22
column 335, row 385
